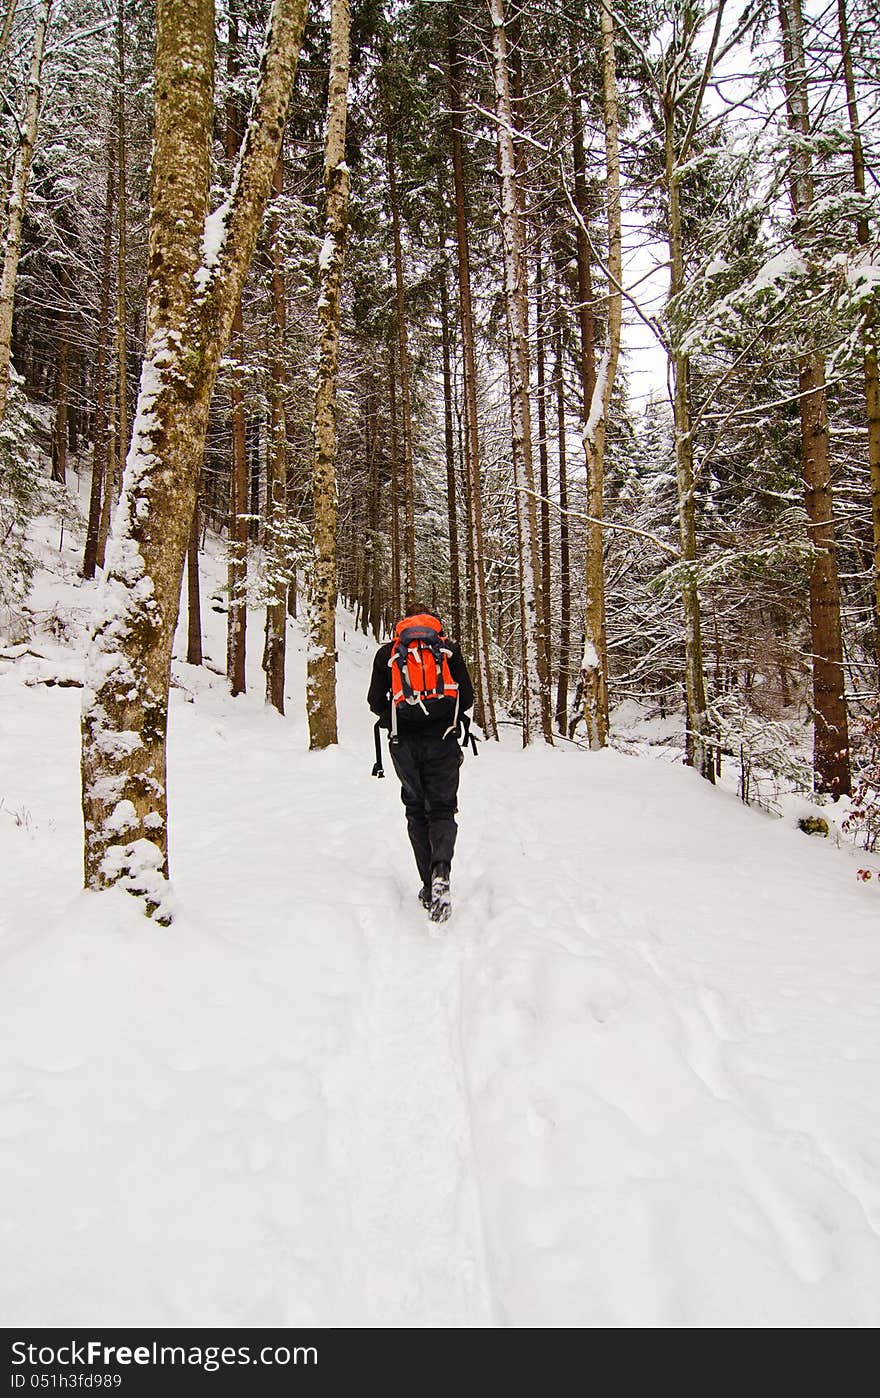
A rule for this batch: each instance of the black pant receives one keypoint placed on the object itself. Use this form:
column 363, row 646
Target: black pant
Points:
column 428, row 769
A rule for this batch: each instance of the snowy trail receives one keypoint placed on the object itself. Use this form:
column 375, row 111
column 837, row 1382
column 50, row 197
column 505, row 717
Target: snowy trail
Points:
column 406, row 1232
column 635, row 1082
column 415, row 1246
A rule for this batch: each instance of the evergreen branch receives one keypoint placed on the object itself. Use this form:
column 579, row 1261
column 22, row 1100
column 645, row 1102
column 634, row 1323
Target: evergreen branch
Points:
column 602, row 523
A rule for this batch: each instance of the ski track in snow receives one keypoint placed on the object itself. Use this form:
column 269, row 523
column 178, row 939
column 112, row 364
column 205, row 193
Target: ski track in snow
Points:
column 634, row 1081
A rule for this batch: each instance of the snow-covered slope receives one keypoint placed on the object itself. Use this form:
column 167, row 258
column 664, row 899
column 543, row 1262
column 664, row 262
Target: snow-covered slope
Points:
column 636, row 1080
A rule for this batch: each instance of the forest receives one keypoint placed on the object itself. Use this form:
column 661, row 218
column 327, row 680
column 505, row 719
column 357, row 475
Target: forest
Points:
column 558, row 319
column 558, row 322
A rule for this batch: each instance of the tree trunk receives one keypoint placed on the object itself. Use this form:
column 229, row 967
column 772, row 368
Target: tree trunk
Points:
column 17, row 197
column 277, row 547
column 76, row 391
column 59, row 427
column 373, row 599
column 595, row 428
column 484, row 705
column 831, row 759
column 394, row 502
column 449, row 438
column 122, row 210
column 592, row 682
column 544, row 472
column 99, row 431
column 564, row 554
column 830, row 734
column 237, row 532
column 321, row 673
column 537, row 721
column 193, row 594
column 514, row 42
column 117, row 444
column 409, row 518
column 6, row 31
column 698, row 747
column 871, row 327
column 111, row 472
column 586, row 314
column 191, row 300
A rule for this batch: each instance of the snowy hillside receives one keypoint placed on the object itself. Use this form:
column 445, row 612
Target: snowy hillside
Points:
column 635, row 1081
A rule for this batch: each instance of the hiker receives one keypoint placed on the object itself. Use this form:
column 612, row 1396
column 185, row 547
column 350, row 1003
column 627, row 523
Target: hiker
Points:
column 421, row 690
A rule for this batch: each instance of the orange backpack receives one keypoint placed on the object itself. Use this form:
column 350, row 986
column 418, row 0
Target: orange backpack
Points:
column 419, row 664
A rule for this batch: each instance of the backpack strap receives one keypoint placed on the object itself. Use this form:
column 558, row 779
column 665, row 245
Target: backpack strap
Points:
column 468, row 738
column 392, row 738
column 454, row 724
column 378, row 769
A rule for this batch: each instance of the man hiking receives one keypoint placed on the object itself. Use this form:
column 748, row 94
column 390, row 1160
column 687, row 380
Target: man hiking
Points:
column 420, row 689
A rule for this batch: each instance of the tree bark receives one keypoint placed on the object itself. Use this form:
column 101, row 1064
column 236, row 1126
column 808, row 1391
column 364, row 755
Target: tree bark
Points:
column 275, row 650
column 564, row 552
column 193, row 594
column 449, row 440
column 586, row 312
column 122, row 211
column 595, row 683
column 6, row 31
column 409, row 518
column 196, row 267
column 871, row 329
column 537, row 720
column 99, row 434
column 831, row 758
column 321, row 664
column 373, row 597
column 111, row 470
column 484, row 705
column 59, row 427
column 544, row 465
column 698, row 747
column 394, row 501
column 237, row 531
column 18, row 196
column 117, row 444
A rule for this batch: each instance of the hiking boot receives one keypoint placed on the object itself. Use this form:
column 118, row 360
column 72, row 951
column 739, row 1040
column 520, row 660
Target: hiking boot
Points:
column 441, row 902
column 425, row 896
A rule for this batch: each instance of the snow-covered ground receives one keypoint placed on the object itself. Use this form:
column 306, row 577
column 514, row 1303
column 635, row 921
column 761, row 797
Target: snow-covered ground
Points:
column 635, row 1081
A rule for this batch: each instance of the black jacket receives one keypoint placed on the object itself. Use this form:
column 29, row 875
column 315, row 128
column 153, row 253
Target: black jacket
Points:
column 410, row 718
